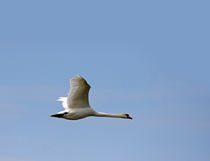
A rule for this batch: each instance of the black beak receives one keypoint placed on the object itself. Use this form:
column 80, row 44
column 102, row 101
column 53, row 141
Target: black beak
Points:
column 59, row 115
column 128, row 116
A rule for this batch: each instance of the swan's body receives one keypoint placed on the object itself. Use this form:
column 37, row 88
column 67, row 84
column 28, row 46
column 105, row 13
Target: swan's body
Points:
column 76, row 104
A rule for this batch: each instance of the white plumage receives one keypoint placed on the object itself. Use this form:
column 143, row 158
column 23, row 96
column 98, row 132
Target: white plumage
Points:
column 64, row 102
column 76, row 104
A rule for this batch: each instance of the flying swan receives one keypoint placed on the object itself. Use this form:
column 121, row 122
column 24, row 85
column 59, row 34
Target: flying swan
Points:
column 76, row 104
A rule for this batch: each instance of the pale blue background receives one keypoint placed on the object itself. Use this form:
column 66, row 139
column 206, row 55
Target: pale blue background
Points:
column 147, row 58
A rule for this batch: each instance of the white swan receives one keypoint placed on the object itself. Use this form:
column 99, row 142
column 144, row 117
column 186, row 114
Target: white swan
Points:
column 76, row 104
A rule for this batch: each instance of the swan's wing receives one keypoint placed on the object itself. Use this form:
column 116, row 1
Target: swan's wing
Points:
column 64, row 102
column 78, row 95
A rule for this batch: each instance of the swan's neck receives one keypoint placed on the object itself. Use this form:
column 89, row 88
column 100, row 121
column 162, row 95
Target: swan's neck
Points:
column 100, row 114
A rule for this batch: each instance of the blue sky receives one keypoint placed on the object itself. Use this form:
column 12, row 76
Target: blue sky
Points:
column 146, row 58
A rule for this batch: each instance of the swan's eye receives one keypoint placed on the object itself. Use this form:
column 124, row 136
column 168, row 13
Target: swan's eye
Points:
column 65, row 113
column 127, row 115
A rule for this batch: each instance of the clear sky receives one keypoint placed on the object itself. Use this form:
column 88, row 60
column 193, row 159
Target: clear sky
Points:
column 147, row 58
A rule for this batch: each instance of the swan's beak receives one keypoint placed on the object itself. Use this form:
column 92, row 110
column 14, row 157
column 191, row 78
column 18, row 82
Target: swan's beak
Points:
column 129, row 117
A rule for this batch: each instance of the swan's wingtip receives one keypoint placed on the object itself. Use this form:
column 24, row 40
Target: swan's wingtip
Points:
column 61, row 99
column 78, row 76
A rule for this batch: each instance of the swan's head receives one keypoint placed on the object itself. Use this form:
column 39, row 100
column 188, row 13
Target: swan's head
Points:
column 127, row 116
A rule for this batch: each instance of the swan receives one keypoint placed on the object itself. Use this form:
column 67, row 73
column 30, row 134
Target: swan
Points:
column 76, row 104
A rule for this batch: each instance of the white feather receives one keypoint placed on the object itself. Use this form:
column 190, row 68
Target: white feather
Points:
column 76, row 104
column 78, row 95
column 64, row 102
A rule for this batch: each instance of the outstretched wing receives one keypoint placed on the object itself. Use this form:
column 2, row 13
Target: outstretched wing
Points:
column 64, row 102
column 78, row 94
